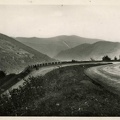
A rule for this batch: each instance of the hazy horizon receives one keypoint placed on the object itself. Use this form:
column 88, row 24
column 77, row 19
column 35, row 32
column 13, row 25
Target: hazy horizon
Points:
column 44, row 21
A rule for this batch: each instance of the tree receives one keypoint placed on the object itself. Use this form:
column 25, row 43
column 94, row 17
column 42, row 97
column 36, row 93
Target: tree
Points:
column 106, row 58
column 115, row 58
column 2, row 74
column 73, row 61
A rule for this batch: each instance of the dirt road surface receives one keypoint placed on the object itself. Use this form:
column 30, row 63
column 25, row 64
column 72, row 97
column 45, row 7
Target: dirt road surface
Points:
column 107, row 76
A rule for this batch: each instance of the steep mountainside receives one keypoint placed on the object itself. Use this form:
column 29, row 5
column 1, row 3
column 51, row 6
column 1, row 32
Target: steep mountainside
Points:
column 87, row 51
column 52, row 46
column 14, row 56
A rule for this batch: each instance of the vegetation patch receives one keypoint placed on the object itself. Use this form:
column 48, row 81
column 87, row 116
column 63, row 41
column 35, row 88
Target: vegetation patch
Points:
column 65, row 91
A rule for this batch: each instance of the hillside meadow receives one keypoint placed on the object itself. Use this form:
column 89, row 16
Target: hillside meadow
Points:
column 65, row 91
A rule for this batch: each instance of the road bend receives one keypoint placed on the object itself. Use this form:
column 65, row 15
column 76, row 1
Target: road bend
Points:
column 107, row 76
column 43, row 70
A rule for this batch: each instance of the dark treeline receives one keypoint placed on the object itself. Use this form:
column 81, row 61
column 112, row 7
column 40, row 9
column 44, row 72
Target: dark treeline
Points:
column 107, row 58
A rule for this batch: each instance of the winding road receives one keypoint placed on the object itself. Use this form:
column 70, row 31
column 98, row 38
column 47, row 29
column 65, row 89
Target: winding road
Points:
column 42, row 71
column 92, row 72
column 107, row 76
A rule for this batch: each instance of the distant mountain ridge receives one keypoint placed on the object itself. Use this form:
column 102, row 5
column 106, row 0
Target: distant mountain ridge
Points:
column 86, row 51
column 15, row 56
column 52, row 46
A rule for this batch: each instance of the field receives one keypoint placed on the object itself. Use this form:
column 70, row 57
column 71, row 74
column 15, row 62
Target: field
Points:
column 65, row 91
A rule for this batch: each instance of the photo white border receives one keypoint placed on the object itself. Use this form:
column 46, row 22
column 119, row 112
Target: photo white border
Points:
column 60, row 2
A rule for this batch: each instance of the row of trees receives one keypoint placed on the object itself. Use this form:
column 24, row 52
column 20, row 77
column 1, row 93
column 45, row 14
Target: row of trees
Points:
column 107, row 58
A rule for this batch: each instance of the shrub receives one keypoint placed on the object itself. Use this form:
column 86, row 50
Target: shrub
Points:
column 2, row 74
column 115, row 58
column 106, row 58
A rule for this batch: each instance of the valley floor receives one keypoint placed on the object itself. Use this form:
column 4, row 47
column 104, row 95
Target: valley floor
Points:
column 65, row 91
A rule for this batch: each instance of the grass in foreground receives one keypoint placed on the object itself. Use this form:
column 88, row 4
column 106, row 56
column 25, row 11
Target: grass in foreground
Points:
column 63, row 92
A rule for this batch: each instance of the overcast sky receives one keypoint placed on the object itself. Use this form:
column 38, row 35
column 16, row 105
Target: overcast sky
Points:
column 93, row 21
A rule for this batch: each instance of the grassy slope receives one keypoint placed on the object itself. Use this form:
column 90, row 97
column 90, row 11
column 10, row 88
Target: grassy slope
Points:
column 15, row 56
column 64, row 92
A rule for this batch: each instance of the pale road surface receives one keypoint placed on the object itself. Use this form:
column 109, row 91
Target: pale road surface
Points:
column 107, row 76
column 43, row 71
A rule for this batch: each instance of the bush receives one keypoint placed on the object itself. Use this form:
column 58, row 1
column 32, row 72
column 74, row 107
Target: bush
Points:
column 106, row 58
column 115, row 58
column 2, row 74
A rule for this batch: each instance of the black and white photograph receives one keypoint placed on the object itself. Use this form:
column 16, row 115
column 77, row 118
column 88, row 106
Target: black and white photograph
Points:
column 60, row 60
